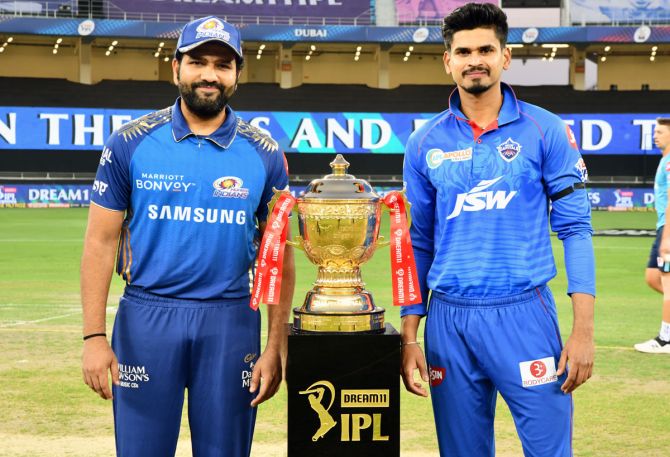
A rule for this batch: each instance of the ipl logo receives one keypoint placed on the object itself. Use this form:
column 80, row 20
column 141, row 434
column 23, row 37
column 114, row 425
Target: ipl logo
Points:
column 315, row 394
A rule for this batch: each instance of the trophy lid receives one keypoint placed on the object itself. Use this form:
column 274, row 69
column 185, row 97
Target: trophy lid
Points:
column 339, row 185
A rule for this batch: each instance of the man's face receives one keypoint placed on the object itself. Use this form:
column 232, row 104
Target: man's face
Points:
column 662, row 136
column 476, row 60
column 207, row 78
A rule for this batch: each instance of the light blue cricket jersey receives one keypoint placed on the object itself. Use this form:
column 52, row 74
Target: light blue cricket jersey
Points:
column 480, row 203
column 661, row 190
column 192, row 203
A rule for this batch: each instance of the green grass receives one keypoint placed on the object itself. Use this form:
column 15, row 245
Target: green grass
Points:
column 47, row 410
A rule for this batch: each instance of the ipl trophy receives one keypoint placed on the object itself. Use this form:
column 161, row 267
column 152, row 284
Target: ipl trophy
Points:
column 341, row 399
column 338, row 218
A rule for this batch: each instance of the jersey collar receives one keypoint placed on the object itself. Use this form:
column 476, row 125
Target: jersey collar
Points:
column 222, row 137
column 509, row 111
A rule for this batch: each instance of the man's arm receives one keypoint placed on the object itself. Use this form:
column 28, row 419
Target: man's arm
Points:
column 412, row 356
column 565, row 175
column 422, row 196
column 664, row 248
column 579, row 348
column 268, row 368
column 97, row 264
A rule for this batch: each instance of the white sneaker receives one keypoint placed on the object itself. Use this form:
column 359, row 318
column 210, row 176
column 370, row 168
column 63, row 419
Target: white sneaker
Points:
column 654, row 346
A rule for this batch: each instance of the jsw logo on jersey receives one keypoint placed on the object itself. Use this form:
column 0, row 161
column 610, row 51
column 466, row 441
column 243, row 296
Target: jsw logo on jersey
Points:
column 477, row 200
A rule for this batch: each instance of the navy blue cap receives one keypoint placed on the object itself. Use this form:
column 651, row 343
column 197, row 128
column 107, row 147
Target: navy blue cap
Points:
column 207, row 29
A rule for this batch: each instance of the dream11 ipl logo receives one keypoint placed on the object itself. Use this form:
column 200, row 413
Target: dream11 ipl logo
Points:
column 322, row 395
column 315, row 394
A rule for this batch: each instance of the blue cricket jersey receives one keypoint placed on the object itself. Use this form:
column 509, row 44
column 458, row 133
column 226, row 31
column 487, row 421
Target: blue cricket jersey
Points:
column 661, row 190
column 480, row 203
column 192, row 202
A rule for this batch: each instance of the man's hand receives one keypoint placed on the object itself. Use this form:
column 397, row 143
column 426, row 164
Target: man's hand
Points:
column 579, row 350
column 413, row 359
column 96, row 360
column 267, row 369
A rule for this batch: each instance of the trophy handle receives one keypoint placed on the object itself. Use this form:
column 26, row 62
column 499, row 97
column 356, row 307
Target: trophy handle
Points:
column 382, row 242
column 298, row 243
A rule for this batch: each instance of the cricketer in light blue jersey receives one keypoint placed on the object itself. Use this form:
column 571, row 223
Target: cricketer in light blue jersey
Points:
column 183, row 193
column 657, row 273
column 661, row 186
column 487, row 178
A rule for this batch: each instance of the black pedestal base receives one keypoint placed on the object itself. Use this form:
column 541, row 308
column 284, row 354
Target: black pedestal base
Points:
column 344, row 394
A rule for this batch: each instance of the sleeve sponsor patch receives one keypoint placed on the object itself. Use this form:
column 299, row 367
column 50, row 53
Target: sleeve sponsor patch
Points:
column 571, row 137
column 581, row 169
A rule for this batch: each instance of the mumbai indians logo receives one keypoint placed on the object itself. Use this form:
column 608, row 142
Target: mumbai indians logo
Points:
column 509, row 150
column 230, row 187
column 435, row 157
column 477, row 200
column 212, row 29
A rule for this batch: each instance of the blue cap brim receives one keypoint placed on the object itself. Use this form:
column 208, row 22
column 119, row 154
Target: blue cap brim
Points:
column 185, row 49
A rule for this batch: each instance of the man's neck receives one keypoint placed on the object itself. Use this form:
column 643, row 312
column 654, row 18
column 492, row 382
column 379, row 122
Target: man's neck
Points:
column 201, row 126
column 666, row 151
column 482, row 109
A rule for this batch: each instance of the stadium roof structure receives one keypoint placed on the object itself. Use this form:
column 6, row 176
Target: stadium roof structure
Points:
column 95, row 28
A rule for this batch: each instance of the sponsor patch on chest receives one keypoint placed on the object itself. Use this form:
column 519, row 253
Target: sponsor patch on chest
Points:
column 435, row 156
column 538, row 372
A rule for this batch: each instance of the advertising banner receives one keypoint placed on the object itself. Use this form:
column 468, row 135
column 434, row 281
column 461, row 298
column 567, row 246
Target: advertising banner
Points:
column 409, row 11
column 34, row 128
column 621, row 199
column 286, row 8
column 76, row 195
column 619, row 11
column 44, row 195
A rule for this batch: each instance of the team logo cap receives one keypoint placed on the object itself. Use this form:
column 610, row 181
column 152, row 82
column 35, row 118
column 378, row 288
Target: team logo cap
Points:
column 206, row 29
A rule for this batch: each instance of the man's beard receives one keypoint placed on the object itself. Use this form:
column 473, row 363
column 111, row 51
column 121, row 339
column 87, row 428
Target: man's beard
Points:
column 205, row 107
column 477, row 87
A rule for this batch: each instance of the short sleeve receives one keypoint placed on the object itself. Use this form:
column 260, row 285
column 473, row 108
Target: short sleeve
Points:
column 277, row 178
column 111, row 188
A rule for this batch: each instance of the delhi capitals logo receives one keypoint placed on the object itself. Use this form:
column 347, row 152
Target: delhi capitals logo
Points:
column 509, row 149
column 230, row 187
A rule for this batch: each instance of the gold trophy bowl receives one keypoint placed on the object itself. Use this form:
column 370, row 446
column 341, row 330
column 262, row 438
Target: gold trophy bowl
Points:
column 338, row 218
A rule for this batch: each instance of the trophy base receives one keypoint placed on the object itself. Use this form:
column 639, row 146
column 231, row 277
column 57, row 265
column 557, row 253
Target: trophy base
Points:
column 333, row 322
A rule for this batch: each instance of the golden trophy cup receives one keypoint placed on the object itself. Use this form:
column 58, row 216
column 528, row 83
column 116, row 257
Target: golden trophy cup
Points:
column 338, row 218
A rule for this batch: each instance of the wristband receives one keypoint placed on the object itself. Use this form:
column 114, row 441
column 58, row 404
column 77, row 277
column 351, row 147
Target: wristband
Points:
column 411, row 342
column 92, row 335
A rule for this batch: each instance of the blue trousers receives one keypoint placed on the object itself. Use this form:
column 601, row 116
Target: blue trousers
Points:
column 476, row 348
column 166, row 346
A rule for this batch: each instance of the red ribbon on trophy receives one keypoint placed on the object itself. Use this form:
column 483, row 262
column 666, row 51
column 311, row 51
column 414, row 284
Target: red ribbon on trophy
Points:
column 404, row 276
column 268, row 278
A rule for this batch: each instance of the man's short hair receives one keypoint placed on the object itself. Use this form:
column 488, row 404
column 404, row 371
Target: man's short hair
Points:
column 473, row 16
column 663, row 121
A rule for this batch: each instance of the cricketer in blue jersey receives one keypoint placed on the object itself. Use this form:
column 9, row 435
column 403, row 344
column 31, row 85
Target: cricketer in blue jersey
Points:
column 486, row 179
column 180, row 197
column 657, row 273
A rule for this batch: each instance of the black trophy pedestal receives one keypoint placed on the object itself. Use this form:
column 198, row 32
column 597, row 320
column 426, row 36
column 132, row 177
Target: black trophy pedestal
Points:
column 344, row 394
